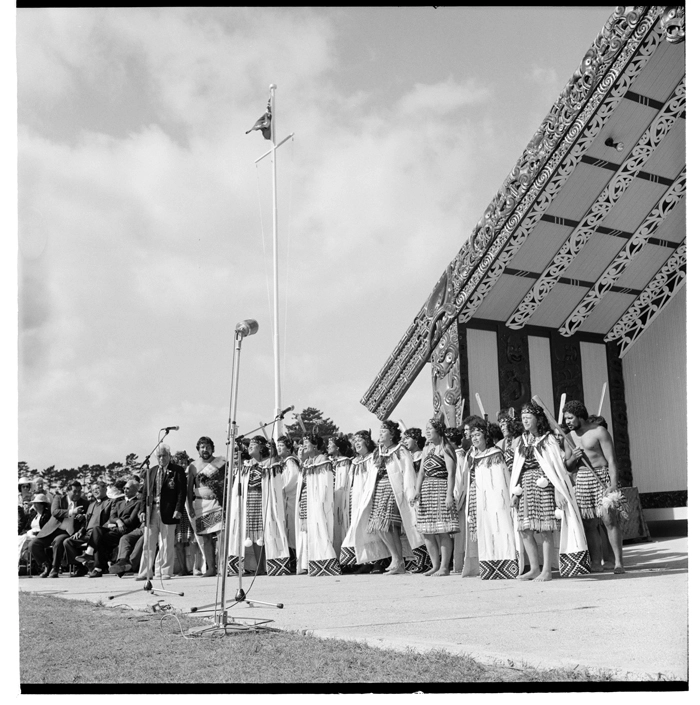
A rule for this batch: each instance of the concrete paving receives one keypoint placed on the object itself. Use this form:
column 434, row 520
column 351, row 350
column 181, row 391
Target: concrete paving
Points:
column 635, row 625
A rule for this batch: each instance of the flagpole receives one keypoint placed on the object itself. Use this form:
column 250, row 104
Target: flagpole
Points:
column 275, row 275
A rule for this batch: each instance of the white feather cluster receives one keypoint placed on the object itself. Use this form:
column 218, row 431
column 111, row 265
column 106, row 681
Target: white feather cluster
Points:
column 612, row 499
column 558, row 514
column 248, row 543
column 542, row 482
column 518, row 490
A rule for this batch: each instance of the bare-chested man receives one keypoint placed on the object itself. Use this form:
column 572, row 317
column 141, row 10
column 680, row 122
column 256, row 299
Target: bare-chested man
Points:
column 594, row 442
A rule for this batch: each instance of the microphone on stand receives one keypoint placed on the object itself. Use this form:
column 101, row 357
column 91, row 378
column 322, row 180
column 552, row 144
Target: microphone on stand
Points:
column 282, row 413
column 170, row 428
column 247, row 327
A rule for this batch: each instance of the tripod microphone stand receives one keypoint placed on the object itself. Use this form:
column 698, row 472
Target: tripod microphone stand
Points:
column 222, row 621
column 148, row 586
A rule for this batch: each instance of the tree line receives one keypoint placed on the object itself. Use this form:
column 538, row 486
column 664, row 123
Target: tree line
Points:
column 313, row 420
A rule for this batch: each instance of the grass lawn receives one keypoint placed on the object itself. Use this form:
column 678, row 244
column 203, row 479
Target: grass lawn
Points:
column 72, row 642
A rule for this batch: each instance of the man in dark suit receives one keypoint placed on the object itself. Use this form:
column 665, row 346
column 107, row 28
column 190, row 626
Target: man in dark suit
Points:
column 97, row 514
column 66, row 513
column 101, row 540
column 168, row 487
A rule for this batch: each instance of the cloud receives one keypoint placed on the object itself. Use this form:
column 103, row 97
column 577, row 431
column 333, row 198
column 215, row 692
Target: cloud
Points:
column 442, row 98
column 140, row 227
column 545, row 77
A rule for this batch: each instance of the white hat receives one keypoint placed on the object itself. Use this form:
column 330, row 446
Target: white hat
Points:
column 40, row 498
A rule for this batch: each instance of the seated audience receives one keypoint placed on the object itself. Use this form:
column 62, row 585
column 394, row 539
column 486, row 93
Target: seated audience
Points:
column 101, row 540
column 66, row 511
column 97, row 514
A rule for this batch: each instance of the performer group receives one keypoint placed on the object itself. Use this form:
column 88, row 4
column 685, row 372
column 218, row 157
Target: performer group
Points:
column 520, row 499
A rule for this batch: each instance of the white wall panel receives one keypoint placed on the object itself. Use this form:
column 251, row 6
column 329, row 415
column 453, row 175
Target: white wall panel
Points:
column 654, row 371
column 482, row 356
column 541, row 371
column 594, row 370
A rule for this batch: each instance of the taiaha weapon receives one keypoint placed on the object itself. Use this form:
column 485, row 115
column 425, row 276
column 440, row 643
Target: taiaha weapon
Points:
column 402, row 425
column 602, row 398
column 264, row 432
column 561, row 407
column 553, row 421
column 481, row 407
column 464, row 404
column 300, row 421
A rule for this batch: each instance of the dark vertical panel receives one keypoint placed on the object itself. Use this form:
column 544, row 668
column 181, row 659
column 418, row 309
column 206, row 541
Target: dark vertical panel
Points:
column 513, row 367
column 464, row 367
column 567, row 377
column 618, row 407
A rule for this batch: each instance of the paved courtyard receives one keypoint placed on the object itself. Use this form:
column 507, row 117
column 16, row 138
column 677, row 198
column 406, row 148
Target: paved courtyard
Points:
column 633, row 624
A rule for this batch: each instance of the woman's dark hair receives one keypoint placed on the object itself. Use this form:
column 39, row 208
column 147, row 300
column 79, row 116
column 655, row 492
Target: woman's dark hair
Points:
column 316, row 441
column 264, row 446
column 417, row 435
column 287, row 442
column 538, row 412
column 343, row 444
column 454, row 436
column 481, row 425
column 394, row 429
column 366, row 436
column 439, row 425
column 514, row 425
column 495, row 431
column 598, row 421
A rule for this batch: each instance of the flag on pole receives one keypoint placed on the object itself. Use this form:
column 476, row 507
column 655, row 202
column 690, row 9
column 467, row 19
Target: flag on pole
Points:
column 264, row 124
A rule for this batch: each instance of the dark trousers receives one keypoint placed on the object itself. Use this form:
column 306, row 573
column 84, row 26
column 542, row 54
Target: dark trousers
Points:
column 131, row 547
column 103, row 540
column 73, row 547
column 38, row 546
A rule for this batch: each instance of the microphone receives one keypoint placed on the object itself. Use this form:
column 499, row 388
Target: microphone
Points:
column 247, row 327
column 170, row 428
column 285, row 411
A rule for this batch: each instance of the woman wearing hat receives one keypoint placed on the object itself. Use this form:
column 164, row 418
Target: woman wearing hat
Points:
column 25, row 489
column 39, row 515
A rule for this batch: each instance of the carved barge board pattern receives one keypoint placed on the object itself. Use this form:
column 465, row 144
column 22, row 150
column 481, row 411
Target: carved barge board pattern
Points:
column 621, row 180
column 621, row 50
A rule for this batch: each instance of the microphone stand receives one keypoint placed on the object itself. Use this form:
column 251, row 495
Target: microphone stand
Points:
column 148, row 586
column 263, row 425
column 222, row 621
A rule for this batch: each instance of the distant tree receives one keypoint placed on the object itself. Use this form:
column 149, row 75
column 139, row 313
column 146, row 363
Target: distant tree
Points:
column 23, row 469
column 131, row 460
column 314, row 422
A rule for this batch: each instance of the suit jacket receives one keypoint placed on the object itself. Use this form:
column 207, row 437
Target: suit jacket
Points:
column 59, row 517
column 172, row 492
column 98, row 513
column 128, row 512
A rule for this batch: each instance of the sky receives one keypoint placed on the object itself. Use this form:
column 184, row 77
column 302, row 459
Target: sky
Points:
column 145, row 225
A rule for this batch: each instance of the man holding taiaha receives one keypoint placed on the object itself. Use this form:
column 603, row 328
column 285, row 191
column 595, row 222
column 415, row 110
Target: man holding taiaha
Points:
column 596, row 489
column 205, row 496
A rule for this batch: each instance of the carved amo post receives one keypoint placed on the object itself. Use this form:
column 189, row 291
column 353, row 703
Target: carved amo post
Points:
column 446, row 377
